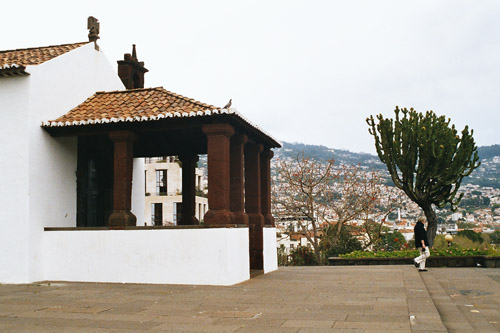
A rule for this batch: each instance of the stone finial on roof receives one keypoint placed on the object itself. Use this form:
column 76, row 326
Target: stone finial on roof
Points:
column 93, row 26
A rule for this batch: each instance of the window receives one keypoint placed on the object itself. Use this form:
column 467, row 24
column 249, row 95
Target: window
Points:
column 161, row 182
column 177, row 212
column 156, row 213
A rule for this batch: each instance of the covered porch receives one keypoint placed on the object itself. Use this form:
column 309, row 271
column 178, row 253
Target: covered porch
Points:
column 113, row 128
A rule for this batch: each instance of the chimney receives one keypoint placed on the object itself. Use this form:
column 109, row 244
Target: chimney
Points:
column 131, row 71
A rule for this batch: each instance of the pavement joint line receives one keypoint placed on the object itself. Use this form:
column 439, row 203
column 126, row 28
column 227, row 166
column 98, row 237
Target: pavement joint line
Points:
column 415, row 314
column 449, row 312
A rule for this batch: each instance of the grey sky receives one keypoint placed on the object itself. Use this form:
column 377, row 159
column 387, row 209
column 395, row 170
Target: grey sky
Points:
column 304, row 71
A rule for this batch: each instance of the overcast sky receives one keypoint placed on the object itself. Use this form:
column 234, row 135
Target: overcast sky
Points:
column 304, row 71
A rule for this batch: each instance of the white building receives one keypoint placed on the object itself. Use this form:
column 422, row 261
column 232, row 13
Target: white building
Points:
column 163, row 203
column 72, row 148
column 38, row 171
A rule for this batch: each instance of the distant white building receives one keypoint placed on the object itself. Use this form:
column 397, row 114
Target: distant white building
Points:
column 163, row 201
column 456, row 216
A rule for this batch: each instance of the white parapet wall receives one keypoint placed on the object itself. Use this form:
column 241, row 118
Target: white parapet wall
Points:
column 270, row 250
column 204, row 256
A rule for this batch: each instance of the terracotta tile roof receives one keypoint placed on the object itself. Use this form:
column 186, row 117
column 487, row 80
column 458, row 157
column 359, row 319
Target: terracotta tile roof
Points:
column 133, row 105
column 141, row 105
column 34, row 56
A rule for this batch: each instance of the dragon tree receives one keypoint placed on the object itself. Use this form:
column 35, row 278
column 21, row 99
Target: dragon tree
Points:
column 426, row 158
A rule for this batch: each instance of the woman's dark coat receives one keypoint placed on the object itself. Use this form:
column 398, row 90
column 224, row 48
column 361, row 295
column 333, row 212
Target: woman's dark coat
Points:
column 420, row 234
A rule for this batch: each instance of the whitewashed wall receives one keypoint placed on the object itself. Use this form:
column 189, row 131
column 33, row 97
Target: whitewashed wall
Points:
column 14, row 164
column 270, row 250
column 56, row 87
column 216, row 256
column 40, row 182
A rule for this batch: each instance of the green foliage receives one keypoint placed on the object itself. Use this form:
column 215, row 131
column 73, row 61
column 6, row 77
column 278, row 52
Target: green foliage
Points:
column 429, row 155
column 466, row 243
column 470, row 234
column 391, row 241
column 382, row 254
column 475, row 202
column 465, row 225
column 332, row 246
column 302, row 256
column 440, row 243
column 495, row 238
column 282, row 256
column 452, row 251
column 425, row 157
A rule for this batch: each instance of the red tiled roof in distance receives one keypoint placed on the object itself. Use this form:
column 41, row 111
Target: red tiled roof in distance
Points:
column 131, row 105
column 36, row 55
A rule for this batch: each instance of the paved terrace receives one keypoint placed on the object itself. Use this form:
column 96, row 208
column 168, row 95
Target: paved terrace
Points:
column 293, row 299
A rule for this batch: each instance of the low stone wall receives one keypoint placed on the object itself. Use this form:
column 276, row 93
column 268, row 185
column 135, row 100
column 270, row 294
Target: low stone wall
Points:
column 468, row 261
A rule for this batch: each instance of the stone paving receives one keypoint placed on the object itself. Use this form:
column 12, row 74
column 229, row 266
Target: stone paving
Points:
column 292, row 299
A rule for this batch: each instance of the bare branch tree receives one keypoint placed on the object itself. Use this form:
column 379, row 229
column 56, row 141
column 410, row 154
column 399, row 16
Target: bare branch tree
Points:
column 315, row 194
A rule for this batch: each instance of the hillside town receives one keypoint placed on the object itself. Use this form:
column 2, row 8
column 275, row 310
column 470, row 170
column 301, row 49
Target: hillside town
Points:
column 479, row 209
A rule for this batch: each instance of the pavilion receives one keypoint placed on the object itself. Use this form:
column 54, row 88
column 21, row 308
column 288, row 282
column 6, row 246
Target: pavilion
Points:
column 73, row 180
column 115, row 127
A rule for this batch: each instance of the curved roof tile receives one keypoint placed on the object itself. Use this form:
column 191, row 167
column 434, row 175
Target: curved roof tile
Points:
column 35, row 55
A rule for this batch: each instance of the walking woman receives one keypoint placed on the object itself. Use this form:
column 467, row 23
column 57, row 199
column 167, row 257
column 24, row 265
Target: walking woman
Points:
column 422, row 244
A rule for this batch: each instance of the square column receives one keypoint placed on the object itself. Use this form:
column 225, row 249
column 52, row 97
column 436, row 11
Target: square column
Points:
column 265, row 189
column 122, row 187
column 188, row 189
column 237, row 200
column 253, row 204
column 218, row 148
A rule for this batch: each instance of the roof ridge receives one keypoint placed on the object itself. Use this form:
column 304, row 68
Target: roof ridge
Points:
column 42, row 47
column 127, row 90
column 191, row 100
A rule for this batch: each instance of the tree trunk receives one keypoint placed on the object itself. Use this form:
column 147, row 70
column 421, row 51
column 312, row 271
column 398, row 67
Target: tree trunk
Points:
column 317, row 252
column 431, row 223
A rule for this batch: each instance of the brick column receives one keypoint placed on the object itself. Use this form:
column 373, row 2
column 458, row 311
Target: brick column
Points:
column 122, row 187
column 265, row 189
column 253, row 204
column 237, row 200
column 218, row 143
column 188, row 189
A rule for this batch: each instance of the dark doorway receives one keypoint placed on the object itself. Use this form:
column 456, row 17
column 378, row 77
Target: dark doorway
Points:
column 177, row 212
column 157, row 213
column 94, row 181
